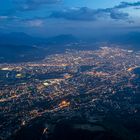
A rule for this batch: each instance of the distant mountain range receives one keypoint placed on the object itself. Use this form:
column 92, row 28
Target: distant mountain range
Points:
column 20, row 53
column 132, row 39
column 17, row 47
column 20, row 38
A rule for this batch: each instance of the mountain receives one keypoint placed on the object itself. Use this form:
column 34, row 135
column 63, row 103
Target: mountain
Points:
column 20, row 53
column 131, row 39
column 19, row 38
column 62, row 39
column 20, row 47
column 17, row 47
column 16, row 39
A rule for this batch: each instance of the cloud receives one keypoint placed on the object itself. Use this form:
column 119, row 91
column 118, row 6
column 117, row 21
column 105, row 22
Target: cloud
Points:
column 127, row 4
column 83, row 13
column 71, row 15
column 28, row 5
column 118, row 15
column 88, row 14
column 9, row 18
column 13, row 21
column 4, row 17
column 34, row 23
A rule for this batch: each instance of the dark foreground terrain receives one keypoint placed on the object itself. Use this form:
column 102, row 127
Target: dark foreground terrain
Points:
column 78, row 128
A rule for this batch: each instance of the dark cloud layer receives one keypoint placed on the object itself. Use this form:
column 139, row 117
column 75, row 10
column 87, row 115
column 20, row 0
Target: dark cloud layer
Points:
column 38, row 15
column 88, row 14
column 85, row 13
column 127, row 4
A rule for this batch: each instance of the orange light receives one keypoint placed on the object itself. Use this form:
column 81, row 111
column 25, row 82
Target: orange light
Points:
column 64, row 104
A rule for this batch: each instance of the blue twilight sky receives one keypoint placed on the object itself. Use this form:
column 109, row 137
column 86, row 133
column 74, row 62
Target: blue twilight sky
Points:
column 78, row 17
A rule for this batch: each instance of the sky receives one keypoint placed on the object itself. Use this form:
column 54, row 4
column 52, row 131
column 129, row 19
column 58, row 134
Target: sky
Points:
column 78, row 17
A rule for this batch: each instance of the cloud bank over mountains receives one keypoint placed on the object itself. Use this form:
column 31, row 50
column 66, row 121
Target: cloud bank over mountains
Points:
column 45, row 14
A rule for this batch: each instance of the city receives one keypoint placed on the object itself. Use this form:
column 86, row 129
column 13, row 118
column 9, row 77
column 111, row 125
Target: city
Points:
column 88, row 84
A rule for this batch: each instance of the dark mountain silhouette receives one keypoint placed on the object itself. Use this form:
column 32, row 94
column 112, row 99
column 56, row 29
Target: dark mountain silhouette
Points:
column 132, row 38
column 62, row 39
column 16, row 47
column 19, row 38
column 20, row 53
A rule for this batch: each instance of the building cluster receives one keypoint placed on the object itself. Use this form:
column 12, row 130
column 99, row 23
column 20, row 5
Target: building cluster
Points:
column 99, row 80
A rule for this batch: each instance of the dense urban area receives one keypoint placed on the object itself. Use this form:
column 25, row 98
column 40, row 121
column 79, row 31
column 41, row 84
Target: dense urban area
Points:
column 91, row 84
